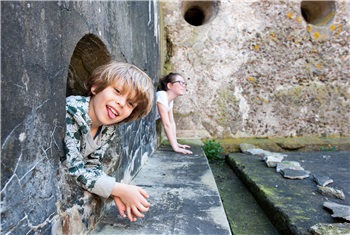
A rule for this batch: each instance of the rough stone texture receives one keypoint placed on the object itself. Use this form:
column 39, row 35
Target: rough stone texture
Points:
column 272, row 161
column 288, row 164
column 242, row 210
column 245, row 147
column 263, row 153
column 339, row 210
column 331, row 192
column 257, row 68
column 294, row 206
column 275, row 144
column 331, row 229
column 38, row 41
column 322, row 180
column 183, row 195
column 295, row 174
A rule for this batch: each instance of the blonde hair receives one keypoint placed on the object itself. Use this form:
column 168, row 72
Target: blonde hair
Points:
column 133, row 81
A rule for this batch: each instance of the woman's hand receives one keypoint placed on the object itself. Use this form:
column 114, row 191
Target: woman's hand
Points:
column 181, row 148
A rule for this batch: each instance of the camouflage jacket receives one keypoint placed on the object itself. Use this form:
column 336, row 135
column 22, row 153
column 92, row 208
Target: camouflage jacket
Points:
column 84, row 154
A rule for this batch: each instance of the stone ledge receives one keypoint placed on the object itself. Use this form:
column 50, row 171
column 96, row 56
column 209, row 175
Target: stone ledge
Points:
column 183, row 195
column 281, row 144
column 294, row 206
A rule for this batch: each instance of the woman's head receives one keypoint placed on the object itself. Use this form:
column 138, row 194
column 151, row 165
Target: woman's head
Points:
column 131, row 79
column 170, row 78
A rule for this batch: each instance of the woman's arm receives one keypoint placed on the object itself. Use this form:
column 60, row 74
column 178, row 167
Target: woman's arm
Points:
column 170, row 128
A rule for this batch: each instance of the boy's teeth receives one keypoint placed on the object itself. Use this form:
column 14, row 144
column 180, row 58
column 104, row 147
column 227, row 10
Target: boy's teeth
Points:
column 113, row 111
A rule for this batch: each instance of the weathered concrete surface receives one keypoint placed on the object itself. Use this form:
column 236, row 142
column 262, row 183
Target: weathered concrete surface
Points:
column 282, row 144
column 243, row 212
column 183, row 194
column 38, row 41
column 295, row 205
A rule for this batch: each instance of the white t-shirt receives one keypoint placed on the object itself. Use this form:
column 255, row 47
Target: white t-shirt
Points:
column 162, row 97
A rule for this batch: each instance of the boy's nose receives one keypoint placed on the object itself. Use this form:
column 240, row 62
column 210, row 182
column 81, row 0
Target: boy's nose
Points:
column 121, row 101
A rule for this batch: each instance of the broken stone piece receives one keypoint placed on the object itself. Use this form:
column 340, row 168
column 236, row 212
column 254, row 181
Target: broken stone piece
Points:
column 339, row 210
column 271, row 161
column 295, row 174
column 256, row 152
column 263, row 153
column 334, row 229
column 244, row 147
column 288, row 164
column 291, row 145
column 322, row 180
column 332, row 192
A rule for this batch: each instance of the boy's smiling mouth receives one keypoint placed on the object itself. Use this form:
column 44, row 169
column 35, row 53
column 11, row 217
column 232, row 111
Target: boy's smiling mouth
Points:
column 113, row 113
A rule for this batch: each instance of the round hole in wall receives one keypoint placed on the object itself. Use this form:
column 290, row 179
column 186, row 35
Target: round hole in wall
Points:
column 89, row 53
column 318, row 13
column 198, row 13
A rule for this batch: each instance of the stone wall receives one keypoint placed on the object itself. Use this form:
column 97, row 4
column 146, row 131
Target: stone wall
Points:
column 47, row 49
column 260, row 68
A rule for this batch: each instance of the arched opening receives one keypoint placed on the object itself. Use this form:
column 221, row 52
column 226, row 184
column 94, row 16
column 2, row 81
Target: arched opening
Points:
column 89, row 53
column 198, row 13
column 318, row 13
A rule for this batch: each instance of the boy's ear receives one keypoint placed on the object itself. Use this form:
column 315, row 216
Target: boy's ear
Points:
column 93, row 88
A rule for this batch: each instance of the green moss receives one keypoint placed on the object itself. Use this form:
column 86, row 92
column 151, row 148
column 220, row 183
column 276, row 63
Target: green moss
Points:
column 268, row 191
column 299, row 218
column 282, row 144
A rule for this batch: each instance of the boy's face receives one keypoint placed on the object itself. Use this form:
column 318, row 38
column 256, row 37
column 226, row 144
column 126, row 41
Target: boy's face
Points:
column 110, row 106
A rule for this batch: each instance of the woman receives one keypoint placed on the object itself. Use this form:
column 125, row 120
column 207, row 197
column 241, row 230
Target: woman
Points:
column 171, row 86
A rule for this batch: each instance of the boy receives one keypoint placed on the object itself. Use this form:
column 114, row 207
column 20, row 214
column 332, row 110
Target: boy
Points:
column 118, row 92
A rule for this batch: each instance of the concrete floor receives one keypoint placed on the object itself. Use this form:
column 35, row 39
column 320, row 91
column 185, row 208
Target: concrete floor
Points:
column 187, row 199
column 183, row 194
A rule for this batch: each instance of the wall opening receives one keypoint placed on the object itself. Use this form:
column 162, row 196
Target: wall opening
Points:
column 89, row 53
column 318, row 13
column 198, row 13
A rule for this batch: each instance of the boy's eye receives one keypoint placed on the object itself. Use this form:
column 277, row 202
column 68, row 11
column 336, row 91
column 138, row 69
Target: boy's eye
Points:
column 117, row 90
column 131, row 104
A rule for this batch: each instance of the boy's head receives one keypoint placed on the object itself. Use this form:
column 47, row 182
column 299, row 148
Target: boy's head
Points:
column 131, row 79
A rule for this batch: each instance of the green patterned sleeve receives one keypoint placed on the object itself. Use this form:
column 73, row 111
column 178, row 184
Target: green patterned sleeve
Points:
column 85, row 175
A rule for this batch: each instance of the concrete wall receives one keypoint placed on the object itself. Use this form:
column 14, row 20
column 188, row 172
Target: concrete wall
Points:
column 44, row 45
column 260, row 68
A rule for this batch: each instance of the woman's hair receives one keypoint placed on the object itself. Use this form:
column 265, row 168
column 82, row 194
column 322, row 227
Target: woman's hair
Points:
column 133, row 81
column 170, row 78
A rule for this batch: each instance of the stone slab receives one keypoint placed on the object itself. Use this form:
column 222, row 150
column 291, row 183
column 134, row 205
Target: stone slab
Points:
column 294, row 206
column 243, row 212
column 183, row 195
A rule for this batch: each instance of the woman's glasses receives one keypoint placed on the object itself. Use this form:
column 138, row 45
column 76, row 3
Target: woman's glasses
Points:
column 181, row 83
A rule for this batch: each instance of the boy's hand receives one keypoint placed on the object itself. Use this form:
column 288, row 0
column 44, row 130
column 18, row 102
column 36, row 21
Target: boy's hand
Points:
column 122, row 209
column 132, row 200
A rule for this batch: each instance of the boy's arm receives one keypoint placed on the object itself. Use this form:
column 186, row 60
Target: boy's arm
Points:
column 87, row 173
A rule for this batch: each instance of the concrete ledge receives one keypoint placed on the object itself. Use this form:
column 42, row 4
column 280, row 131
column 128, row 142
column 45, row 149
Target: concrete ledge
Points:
column 183, row 194
column 294, row 206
